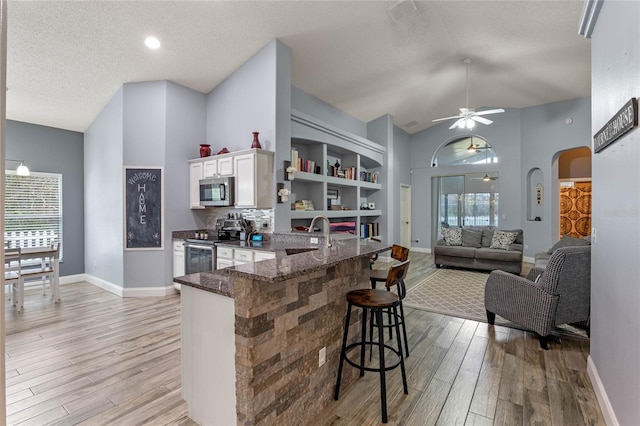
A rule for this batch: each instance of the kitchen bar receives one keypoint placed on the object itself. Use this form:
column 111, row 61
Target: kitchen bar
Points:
column 277, row 315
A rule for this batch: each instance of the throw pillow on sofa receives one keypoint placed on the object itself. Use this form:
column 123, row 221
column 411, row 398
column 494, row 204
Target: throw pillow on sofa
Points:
column 471, row 238
column 502, row 239
column 453, row 236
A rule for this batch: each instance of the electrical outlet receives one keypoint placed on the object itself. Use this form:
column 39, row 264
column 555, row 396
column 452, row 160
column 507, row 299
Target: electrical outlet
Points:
column 265, row 224
column 322, row 356
column 313, row 240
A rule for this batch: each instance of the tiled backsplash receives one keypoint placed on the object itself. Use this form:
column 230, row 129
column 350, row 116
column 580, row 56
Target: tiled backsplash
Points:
column 257, row 217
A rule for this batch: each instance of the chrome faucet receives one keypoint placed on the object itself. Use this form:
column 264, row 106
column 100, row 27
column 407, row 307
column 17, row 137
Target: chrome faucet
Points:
column 327, row 229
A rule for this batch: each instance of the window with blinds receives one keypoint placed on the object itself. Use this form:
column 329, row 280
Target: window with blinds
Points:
column 33, row 209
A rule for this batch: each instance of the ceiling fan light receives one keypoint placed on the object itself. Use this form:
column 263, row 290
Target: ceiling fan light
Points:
column 461, row 124
column 486, row 178
column 470, row 123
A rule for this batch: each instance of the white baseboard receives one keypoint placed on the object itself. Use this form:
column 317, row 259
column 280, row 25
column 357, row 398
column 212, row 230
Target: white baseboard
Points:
column 421, row 250
column 70, row 279
column 603, row 400
column 129, row 292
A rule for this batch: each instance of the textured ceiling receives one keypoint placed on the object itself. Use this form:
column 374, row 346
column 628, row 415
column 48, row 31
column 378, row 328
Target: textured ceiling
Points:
column 66, row 59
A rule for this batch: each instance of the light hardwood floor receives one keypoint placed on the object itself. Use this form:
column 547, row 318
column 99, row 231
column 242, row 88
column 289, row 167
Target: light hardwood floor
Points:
column 99, row 359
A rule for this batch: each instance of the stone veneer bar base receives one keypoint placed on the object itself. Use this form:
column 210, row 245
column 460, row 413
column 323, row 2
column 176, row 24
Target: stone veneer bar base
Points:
column 280, row 328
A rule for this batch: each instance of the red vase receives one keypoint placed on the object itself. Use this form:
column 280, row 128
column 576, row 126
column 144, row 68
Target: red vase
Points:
column 205, row 150
column 256, row 142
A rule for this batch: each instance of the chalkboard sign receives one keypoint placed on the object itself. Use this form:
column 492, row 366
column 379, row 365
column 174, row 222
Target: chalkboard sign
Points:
column 143, row 208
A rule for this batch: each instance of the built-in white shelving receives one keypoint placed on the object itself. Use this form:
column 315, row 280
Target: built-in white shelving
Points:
column 320, row 146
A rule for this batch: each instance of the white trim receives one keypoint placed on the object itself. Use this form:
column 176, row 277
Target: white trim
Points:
column 421, row 250
column 603, row 400
column 150, row 291
column 105, row 285
column 129, row 291
column 527, row 259
column 70, row 279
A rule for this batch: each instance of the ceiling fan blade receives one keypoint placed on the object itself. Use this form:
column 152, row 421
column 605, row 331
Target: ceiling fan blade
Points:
column 481, row 119
column 454, row 125
column 446, row 118
column 489, row 111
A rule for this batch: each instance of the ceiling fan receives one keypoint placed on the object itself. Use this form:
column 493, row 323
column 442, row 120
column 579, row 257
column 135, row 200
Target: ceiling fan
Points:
column 485, row 178
column 468, row 116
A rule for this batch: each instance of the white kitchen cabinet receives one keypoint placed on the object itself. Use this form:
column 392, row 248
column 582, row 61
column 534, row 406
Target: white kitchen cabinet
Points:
column 196, row 172
column 224, row 257
column 210, row 167
column 263, row 255
column 178, row 258
column 218, row 166
column 242, row 256
column 225, row 166
column 254, row 179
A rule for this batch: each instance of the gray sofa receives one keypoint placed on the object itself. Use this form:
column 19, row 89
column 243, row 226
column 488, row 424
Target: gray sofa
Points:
column 541, row 259
column 478, row 255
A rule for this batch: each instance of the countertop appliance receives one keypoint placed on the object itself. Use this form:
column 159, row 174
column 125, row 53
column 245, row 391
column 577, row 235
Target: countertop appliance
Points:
column 217, row 191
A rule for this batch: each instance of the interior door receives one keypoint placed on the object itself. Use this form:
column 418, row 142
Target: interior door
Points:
column 405, row 215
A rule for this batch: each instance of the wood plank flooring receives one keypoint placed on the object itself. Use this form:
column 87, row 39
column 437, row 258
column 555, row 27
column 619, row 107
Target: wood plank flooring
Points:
column 97, row 359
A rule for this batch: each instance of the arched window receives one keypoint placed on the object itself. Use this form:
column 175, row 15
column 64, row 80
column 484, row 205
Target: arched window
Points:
column 465, row 150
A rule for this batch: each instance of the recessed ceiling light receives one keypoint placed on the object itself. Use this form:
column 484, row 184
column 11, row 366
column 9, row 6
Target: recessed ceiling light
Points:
column 152, row 43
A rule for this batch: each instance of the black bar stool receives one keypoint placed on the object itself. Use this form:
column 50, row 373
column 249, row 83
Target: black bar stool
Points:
column 376, row 302
column 376, row 276
column 395, row 277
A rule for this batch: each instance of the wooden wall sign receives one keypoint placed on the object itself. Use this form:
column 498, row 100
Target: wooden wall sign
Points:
column 623, row 121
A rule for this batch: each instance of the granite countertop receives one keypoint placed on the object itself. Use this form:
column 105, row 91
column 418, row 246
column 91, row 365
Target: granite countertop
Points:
column 309, row 258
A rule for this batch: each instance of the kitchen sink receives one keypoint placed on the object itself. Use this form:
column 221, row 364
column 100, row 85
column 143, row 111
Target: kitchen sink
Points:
column 291, row 251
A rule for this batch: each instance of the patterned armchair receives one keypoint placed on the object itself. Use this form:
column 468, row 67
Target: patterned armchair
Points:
column 561, row 294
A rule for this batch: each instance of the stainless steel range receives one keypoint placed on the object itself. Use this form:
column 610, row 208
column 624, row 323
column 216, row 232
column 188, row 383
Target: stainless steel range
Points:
column 200, row 255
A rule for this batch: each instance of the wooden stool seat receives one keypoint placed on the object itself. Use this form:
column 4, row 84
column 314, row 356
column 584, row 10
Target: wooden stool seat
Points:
column 369, row 298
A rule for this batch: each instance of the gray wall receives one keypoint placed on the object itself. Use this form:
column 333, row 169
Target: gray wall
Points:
column 545, row 135
column 243, row 103
column 151, row 124
column 103, row 203
column 503, row 135
column 50, row 150
column 615, row 270
column 401, row 173
column 523, row 139
column 302, row 101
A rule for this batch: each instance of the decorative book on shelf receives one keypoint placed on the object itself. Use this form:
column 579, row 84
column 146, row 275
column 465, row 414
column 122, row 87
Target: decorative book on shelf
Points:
column 368, row 230
column 304, row 165
column 341, row 172
column 369, row 177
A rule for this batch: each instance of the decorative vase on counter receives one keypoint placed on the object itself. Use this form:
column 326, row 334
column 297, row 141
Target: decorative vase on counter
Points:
column 256, row 142
column 205, row 150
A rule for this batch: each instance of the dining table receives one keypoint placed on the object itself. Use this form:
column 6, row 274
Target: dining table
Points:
column 37, row 261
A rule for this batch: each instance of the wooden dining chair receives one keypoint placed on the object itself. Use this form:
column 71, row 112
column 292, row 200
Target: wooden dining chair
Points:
column 13, row 277
column 48, row 270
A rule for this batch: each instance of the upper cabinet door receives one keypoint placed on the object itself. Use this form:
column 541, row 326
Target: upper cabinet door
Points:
column 210, row 168
column 245, row 166
column 195, row 174
column 225, row 166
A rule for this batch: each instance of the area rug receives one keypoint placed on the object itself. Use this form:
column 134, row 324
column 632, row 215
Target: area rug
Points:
column 460, row 293
column 453, row 292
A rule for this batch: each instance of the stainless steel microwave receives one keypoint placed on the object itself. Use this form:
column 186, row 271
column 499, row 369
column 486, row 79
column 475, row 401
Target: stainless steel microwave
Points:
column 217, row 192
